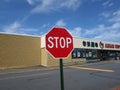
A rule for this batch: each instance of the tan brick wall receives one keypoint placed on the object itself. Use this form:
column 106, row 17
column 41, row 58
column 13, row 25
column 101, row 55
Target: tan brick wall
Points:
column 48, row 60
column 55, row 62
column 43, row 57
column 19, row 51
column 79, row 60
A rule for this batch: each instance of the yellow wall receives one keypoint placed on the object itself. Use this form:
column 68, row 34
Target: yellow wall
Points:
column 55, row 62
column 19, row 51
column 50, row 61
column 79, row 60
column 43, row 57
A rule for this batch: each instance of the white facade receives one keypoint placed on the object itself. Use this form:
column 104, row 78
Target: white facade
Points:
column 95, row 44
column 90, row 44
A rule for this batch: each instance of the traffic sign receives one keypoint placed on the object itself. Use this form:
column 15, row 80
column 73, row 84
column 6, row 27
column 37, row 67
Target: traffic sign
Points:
column 59, row 42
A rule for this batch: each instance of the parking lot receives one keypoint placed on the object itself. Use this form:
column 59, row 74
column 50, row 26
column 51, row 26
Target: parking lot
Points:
column 103, row 75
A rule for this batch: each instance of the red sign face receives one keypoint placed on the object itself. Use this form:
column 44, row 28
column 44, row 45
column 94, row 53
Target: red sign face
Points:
column 59, row 42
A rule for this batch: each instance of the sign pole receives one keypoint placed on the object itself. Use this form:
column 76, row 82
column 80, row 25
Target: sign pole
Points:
column 61, row 74
column 56, row 44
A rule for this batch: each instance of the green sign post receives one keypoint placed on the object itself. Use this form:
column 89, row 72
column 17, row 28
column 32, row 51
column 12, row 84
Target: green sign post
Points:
column 61, row 74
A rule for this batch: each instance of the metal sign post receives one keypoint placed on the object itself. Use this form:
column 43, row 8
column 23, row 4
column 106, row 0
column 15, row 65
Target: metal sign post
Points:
column 61, row 74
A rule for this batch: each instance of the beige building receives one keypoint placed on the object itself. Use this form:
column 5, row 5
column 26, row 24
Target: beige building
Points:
column 18, row 51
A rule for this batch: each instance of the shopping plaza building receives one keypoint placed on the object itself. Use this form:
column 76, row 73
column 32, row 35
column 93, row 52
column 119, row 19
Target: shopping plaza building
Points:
column 18, row 51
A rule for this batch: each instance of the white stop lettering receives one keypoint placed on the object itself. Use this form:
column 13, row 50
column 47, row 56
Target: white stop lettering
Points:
column 59, row 42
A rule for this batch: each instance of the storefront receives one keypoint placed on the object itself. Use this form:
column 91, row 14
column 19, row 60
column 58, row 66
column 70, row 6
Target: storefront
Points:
column 94, row 50
column 18, row 51
column 86, row 50
column 109, row 55
column 85, row 53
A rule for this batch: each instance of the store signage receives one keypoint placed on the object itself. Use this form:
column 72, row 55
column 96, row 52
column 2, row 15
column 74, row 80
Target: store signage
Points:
column 112, row 46
column 59, row 42
column 101, row 44
column 117, row 46
column 90, row 44
column 108, row 45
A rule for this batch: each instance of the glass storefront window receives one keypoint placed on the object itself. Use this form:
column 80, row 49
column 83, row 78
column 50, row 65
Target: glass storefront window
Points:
column 87, row 53
column 84, row 53
column 78, row 54
column 90, row 54
column 94, row 53
column 74, row 55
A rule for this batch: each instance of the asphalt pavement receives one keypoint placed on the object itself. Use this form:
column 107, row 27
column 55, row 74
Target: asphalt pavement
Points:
column 93, row 76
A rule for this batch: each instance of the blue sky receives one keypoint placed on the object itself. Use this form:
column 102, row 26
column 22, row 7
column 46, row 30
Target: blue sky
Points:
column 94, row 19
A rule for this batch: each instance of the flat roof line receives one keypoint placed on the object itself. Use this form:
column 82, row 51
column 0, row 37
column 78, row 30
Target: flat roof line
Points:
column 19, row 34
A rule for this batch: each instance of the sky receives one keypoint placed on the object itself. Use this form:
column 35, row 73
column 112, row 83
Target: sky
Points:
column 93, row 19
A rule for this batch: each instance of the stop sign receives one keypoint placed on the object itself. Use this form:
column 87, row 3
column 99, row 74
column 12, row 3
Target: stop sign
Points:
column 59, row 42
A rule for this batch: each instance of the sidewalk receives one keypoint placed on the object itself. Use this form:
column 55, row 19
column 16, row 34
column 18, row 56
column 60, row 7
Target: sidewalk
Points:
column 42, row 68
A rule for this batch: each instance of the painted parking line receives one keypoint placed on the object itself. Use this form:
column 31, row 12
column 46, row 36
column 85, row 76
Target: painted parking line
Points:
column 93, row 69
column 25, row 76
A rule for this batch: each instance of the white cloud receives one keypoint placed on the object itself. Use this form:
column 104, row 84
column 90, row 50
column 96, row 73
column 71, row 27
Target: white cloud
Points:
column 60, row 23
column 31, row 2
column 109, row 32
column 105, row 14
column 17, row 28
column 115, row 16
column 117, row 12
column 71, row 4
column 44, row 6
column 76, row 32
column 95, row 31
column 12, row 28
column 112, row 35
column 108, row 4
column 106, row 33
column 110, row 16
column 116, row 25
column 45, row 25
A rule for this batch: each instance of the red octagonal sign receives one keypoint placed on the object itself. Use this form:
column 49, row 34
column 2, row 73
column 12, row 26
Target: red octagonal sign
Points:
column 59, row 42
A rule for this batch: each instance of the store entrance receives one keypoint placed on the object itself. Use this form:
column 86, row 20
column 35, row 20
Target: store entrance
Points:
column 89, row 54
column 109, row 55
